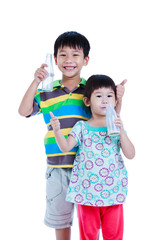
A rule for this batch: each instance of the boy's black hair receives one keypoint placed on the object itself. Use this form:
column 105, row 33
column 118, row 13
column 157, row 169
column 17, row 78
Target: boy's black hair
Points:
column 98, row 81
column 72, row 39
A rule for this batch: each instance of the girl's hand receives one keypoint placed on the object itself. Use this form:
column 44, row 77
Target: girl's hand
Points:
column 40, row 73
column 54, row 122
column 118, row 122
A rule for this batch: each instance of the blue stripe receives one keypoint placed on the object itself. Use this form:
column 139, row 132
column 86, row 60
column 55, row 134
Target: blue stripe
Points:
column 67, row 111
column 53, row 148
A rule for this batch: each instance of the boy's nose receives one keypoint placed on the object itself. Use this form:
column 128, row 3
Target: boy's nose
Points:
column 68, row 59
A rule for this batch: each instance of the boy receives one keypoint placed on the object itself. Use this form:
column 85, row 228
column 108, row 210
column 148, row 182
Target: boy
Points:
column 71, row 52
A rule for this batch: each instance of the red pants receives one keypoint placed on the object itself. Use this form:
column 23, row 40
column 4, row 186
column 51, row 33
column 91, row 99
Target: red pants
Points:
column 91, row 219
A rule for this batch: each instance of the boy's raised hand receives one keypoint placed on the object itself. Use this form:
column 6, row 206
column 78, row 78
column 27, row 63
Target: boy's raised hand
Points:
column 40, row 73
column 54, row 122
column 120, row 89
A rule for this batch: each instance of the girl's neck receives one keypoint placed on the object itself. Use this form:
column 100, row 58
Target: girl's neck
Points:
column 97, row 121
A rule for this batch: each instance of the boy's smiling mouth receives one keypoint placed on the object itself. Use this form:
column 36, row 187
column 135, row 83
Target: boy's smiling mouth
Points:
column 69, row 68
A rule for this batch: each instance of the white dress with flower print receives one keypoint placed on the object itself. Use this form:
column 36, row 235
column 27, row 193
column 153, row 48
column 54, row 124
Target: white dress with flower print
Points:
column 99, row 177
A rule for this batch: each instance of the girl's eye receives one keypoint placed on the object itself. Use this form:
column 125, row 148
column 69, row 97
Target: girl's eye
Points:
column 75, row 55
column 62, row 55
column 98, row 96
column 109, row 96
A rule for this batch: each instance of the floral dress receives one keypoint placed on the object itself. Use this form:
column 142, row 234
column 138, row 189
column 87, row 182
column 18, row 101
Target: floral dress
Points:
column 99, row 176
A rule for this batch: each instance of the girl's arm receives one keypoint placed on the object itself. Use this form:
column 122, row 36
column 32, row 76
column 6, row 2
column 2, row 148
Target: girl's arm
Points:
column 126, row 145
column 64, row 144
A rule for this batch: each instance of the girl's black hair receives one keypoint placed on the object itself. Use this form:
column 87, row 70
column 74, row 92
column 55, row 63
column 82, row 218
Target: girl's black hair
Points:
column 72, row 39
column 98, row 81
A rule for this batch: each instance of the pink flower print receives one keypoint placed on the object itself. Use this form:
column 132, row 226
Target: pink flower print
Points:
column 109, row 181
column 120, row 198
column 117, row 173
column 88, row 204
column 74, row 178
column 78, row 198
column 99, row 146
column 124, row 182
column 86, row 183
column 98, row 187
column 95, row 138
column 82, row 157
column 80, row 136
column 104, row 172
column 88, row 142
column 75, row 168
column 111, row 167
column 102, row 133
column 107, row 140
column 99, row 162
column 89, row 165
column 99, row 203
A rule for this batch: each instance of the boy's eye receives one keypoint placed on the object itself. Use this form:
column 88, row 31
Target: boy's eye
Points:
column 99, row 96
column 75, row 55
column 109, row 96
column 62, row 55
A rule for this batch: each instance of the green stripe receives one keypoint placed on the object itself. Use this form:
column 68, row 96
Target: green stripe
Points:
column 76, row 102
column 51, row 140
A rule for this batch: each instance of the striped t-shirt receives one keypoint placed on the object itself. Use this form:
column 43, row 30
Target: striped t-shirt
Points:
column 68, row 106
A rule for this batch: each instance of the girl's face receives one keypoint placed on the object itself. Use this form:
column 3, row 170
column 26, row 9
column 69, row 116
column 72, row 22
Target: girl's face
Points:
column 99, row 98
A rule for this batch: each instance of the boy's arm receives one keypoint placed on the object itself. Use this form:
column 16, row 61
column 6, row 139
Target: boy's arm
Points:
column 126, row 145
column 120, row 92
column 64, row 144
column 26, row 106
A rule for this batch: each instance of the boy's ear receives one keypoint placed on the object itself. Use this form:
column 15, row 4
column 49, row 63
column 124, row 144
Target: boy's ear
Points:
column 55, row 59
column 86, row 60
column 86, row 101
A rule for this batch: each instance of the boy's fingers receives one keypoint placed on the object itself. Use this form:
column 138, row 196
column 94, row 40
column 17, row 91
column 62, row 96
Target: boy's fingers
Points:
column 44, row 65
column 123, row 82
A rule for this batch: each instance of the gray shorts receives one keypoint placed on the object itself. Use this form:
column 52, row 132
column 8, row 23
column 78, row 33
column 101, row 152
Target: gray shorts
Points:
column 59, row 212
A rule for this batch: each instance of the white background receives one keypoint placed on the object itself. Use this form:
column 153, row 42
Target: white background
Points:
column 125, row 43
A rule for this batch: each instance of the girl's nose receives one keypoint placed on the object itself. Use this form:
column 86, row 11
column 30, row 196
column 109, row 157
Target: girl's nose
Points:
column 104, row 100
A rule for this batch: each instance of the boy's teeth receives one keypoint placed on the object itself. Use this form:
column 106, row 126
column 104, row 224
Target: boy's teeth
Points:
column 69, row 68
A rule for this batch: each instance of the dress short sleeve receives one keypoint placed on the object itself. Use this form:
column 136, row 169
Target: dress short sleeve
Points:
column 76, row 132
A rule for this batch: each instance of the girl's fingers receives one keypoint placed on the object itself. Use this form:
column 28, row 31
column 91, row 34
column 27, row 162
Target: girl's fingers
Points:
column 51, row 114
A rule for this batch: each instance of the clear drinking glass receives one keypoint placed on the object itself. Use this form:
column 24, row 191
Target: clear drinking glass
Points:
column 47, row 83
column 113, row 130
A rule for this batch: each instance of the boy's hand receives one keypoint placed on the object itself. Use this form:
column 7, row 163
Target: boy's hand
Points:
column 54, row 122
column 120, row 89
column 118, row 122
column 40, row 73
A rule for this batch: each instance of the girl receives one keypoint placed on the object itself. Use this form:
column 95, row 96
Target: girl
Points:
column 99, row 178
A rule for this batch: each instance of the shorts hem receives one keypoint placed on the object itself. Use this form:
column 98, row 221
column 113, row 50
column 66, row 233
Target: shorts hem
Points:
column 56, row 226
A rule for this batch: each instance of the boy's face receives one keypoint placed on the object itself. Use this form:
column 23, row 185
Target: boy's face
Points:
column 70, row 61
column 99, row 98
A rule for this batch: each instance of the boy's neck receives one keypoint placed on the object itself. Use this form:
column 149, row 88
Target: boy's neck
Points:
column 70, row 83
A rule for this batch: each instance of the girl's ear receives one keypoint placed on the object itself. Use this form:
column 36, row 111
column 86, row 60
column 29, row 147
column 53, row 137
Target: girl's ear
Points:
column 86, row 101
